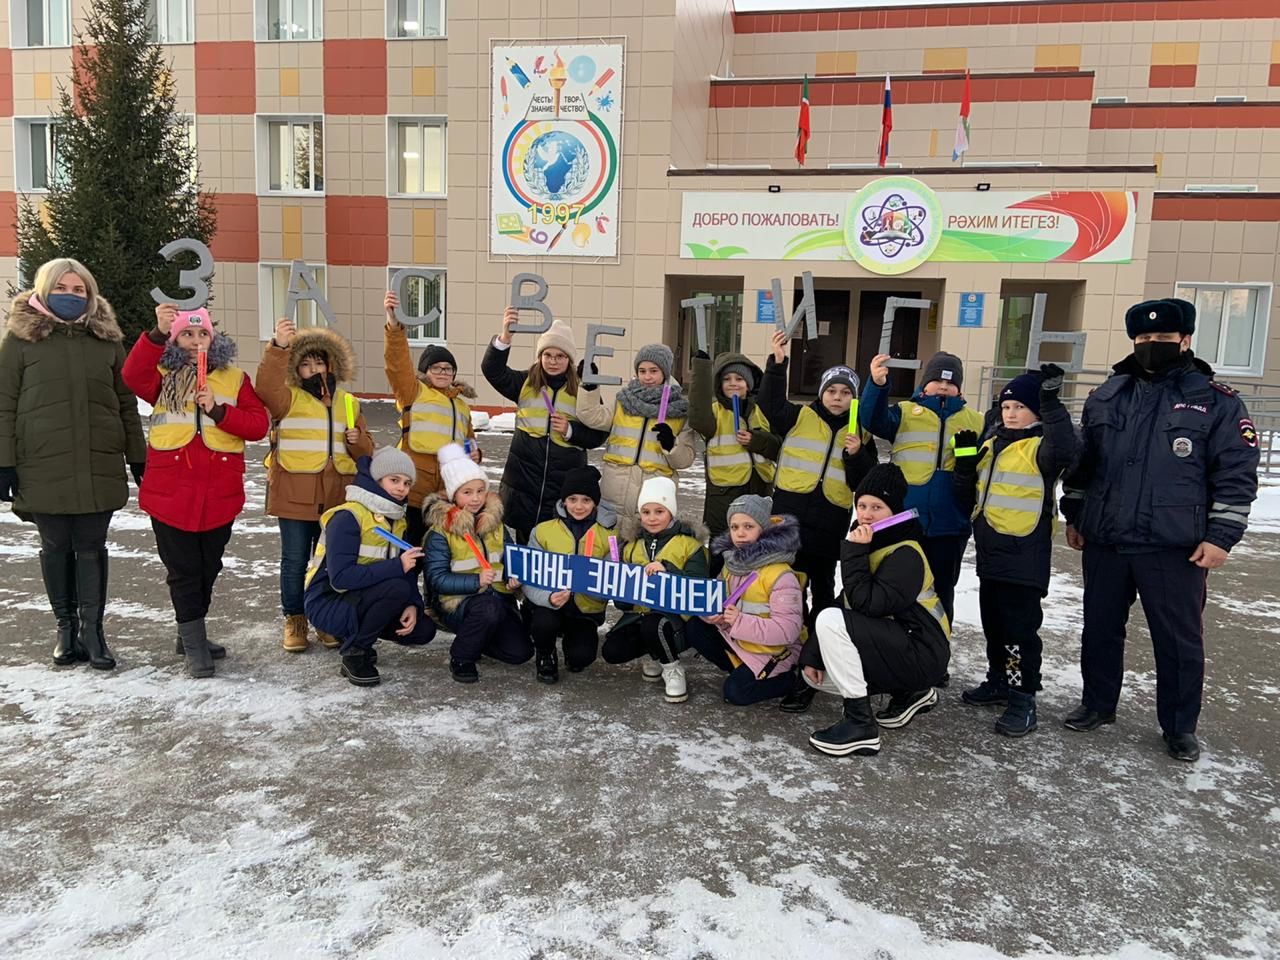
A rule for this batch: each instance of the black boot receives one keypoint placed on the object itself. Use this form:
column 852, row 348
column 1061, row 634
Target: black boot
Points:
column 800, row 696
column 216, row 650
column 358, row 668
column 548, row 667
column 856, row 732
column 91, row 593
column 1084, row 718
column 1019, row 717
column 59, row 571
column 464, row 671
column 196, row 646
column 1183, row 746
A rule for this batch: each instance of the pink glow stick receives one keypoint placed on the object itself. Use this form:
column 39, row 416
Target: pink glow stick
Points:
column 666, row 399
column 896, row 519
column 546, row 398
column 613, row 549
column 747, row 581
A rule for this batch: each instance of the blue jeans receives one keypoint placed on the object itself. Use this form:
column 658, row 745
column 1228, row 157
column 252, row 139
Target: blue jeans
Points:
column 297, row 540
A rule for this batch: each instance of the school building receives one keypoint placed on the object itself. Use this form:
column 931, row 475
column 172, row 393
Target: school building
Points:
column 637, row 153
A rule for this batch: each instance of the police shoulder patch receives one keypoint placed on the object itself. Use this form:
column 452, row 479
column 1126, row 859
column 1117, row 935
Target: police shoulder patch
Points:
column 1223, row 388
column 1248, row 432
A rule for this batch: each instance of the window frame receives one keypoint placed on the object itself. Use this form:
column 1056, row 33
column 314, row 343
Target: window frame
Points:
column 262, row 28
column 266, row 299
column 19, row 32
column 22, row 152
column 161, row 9
column 393, row 150
column 393, row 22
column 262, row 124
column 441, row 340
column 1261, row 323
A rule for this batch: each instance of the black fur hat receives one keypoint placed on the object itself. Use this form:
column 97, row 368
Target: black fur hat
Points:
column 1160, row 316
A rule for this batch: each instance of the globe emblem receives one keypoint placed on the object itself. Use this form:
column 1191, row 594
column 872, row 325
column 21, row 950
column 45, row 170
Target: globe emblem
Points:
column 556, row 166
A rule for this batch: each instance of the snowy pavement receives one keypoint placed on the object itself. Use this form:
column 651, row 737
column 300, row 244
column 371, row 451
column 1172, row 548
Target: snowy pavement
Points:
column 276, row 811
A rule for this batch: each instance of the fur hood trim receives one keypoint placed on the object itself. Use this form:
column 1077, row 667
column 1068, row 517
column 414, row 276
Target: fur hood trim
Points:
column 222, row 353
column 778, row 543
column 631, row 529
column 27, row 323
column 441, row 515
column 331, row 345
column 459, row 388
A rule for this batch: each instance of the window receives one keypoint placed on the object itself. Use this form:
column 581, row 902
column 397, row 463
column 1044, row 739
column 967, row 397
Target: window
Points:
column 273, row 296
column 38, row 162
column 291, row 155
column 420, row 296
column 416, row 18
column 1231, row 325
column 41, row 23
column 169, row 20
column 417, row 150
column 291, row 20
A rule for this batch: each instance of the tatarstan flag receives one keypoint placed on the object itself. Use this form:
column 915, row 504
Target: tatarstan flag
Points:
column 886, row 122
column 962, row 125
column 802, row 126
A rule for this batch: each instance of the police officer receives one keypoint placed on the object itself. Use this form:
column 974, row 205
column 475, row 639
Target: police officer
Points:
column 1161, row 493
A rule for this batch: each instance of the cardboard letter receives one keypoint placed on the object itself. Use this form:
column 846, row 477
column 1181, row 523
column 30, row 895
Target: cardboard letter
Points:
column 303, row 286
column 891, row 307
column 193, row 280
column 594, row 350
column 530, row 301
column 397, row 287
column 1039, row 337
column 699, row 305
column 806, row 309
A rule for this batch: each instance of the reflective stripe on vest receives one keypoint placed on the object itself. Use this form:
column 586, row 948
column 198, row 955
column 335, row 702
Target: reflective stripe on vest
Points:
column 927, row 597
column 729, row 463
column 810, row 455
column 311, row 434
column 675, row 551
column 633, row 442
column 755, row 601
column 915, row 447
column 433, row 420
column 554, row 536
column 373, row 548
column 171, row 430
column 532, row 416
column 463, row 560
column 1011, row 491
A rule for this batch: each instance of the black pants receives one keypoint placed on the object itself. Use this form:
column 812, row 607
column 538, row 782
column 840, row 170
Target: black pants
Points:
column 581, row 636
column 1011, row 618
column 945, row 555
column 193, row 561
column 415, row 531
column 378, row 612
column 73, row 532
column 655, row 634
column 821, row 572
column 1173, row 593
column 741, row 687
column 491, row 627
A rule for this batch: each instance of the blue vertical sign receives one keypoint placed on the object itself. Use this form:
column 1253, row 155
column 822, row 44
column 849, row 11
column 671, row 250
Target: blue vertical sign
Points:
column 971, row 308
column 765, row 311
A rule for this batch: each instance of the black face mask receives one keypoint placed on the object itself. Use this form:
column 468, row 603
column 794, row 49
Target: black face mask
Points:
column 316, row 384
column 1156, row 356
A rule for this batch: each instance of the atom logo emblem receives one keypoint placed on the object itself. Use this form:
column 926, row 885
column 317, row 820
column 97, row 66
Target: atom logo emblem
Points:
column 893, row 226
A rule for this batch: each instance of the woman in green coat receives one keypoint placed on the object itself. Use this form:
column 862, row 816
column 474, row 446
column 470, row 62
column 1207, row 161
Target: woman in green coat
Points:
column 68, row 425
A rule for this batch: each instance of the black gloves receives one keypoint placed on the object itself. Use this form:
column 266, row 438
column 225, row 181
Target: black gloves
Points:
column 594, row 369
column 1052, row 374
column 8, row 483
column 702, row 355
column 967, row 451
column 665, row 435
column 137, row 470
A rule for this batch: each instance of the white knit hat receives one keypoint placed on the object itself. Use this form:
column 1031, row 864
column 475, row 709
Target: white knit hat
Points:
column 456, row 468
column 659, row 490
column 560, row 336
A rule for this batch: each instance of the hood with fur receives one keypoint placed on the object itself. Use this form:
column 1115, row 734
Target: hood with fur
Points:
column 222, row 353
column 459, row 388
column 333, row 346
column 441, row 514
column 27, row 323
column 779, row 542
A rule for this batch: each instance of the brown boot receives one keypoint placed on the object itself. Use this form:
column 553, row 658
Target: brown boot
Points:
column 328, row 639
column 295, row 633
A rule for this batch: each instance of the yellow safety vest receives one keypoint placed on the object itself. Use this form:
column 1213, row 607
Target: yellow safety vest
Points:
column 927, row 597
column 310, row 435
column 813, row 454
column 923, row 442
column 554, row 537
column 755, row 601
column 632, row 443
column 1011, row 490
column 676, row 551
column 729, row 463
column 373, row 548
column 462, row 558
column 533, row 418
column 432, row 420
column 172, row 430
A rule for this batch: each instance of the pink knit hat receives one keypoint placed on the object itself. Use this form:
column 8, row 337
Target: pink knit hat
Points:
column 191, row 318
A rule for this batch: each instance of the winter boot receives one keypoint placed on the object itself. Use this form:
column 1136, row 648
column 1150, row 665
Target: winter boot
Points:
column 195, row 644
column 216, row 650
column 358, row 668
column 904, row 706
column 675, row 689
column 91, row 593
column 856, row 732
column 800, row 696
column 464, row 671
column 1019, row 718
column 548, row 667
column 328, row 639
column 60, row 585
column 986, row 693
column 650, row 670
column 1183, row 746
column 1084, row 718
column 295, row 633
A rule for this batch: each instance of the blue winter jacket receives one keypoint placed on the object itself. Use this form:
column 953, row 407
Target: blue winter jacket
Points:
column 440, row 579
column 940, row 515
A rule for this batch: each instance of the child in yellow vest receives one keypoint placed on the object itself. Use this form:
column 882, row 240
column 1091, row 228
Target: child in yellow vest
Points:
column 432, row 408
column 891, row 634
column 662, row 543
column 319, row 433
column 464, row 557
column 360, row 586
column 583, row 526
column 756, row 640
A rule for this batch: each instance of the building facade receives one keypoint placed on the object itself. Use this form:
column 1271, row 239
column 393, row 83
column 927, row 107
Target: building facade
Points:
column 1118, row 151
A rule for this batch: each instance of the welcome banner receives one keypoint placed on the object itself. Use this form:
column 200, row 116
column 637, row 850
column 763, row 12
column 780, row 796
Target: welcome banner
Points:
column 607, row 580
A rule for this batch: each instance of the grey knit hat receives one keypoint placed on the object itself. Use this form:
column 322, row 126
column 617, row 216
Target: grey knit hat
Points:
column 660, row 355
column 389, row 460
column 742, row 370
column 759, row 509
column 946, row 367
column 839, row 374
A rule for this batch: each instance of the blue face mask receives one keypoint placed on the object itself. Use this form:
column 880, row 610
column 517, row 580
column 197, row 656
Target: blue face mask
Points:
column 67, row 306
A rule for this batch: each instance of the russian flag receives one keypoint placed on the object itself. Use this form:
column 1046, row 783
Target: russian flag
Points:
column 886, row 123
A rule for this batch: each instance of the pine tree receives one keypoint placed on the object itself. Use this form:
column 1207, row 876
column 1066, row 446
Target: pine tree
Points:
column 126, row 180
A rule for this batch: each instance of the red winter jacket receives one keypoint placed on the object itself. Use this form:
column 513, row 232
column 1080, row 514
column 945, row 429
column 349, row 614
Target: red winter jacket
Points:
column 195, row 488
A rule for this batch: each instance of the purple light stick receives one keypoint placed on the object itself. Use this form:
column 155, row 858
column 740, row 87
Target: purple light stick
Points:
column 741, row 588
column 666, row 399
column 896, row 519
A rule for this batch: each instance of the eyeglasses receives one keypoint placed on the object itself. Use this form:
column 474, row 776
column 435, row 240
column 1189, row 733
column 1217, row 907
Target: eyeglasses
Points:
column 442, row 369
column 554, row 356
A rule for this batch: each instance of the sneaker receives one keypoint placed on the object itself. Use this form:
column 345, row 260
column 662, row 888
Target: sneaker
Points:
column 358, row 668
column 464, row 671
column 673, row 680
column 650, row 670
column 986, row 693
column 904, row 706
column 548, row 668
column 856, row 732
column 1019, row 718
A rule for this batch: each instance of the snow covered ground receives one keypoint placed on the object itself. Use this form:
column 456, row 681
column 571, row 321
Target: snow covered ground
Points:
column 277, row 811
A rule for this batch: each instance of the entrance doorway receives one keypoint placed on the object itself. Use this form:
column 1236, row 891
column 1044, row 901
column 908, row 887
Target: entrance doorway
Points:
column 903, row 344
column 809, row 358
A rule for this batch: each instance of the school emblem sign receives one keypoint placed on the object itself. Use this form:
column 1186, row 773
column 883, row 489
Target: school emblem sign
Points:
column 893, row 225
